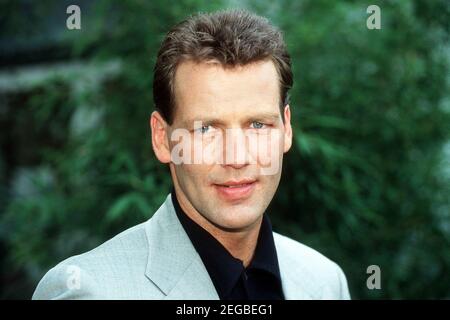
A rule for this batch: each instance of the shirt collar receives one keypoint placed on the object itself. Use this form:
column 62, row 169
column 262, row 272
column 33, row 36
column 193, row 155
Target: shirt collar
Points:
column 223, row 268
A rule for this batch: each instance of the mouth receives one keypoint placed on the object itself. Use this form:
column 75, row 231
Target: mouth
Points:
column 236, row 189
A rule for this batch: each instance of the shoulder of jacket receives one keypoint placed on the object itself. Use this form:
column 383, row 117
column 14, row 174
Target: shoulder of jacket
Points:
column 79, row 276
column 305, row 264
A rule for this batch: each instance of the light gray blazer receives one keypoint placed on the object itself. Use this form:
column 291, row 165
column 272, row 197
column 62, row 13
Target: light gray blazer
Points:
column 156, row 260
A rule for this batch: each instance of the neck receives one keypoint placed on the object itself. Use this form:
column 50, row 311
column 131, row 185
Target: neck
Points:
column 240, row 243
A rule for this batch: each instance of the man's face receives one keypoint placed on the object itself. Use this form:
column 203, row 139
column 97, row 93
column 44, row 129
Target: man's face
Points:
column 232, row 193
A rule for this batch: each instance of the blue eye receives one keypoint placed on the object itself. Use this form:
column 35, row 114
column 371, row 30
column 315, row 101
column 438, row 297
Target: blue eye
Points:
column 204, row 129
column 257, row 125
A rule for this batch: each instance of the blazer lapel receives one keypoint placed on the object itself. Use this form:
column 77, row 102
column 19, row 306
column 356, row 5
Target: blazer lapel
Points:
column 174, row 265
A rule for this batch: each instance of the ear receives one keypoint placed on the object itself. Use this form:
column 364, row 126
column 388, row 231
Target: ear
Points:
column 287, row 129
column 160, row 141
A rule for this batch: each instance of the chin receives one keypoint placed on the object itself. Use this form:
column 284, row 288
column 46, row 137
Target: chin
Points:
column 238, row 220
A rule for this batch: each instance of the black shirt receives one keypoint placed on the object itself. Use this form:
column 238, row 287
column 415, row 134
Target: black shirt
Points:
column 259, row 281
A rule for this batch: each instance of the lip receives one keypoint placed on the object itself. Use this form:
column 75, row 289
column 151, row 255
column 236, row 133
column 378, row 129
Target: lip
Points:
column 234, row 190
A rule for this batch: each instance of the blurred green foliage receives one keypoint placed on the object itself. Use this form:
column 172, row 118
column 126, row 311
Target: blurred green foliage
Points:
column 367, row 179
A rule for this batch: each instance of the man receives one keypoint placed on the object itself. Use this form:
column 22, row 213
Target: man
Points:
column 222, row 124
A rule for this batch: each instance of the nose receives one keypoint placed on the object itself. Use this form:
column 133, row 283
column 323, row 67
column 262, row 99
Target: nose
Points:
column 235, row 149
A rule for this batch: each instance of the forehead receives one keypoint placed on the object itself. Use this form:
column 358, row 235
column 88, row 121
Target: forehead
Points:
column 209, row 89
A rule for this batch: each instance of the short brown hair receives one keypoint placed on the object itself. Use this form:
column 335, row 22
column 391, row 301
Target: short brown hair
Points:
column 231, row 37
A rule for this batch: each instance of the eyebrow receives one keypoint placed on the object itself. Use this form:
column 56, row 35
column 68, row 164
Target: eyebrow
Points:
column 264, row 116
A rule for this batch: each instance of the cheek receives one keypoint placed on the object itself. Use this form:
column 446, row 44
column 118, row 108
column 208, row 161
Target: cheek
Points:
column 266, row 148
column 185, row 174
column 194, row 175
column 189, row 171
